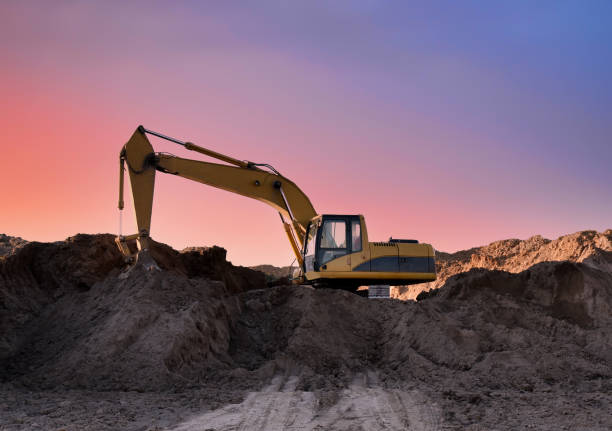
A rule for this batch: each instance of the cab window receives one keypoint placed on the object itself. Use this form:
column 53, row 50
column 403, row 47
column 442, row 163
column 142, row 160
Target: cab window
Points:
column 310, row 247
column 311, row 240
column 333, row 241
column 333, row 234
column 356, row 235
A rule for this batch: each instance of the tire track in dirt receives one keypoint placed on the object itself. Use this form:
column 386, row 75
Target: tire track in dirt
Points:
column 276, row 407
column 364, row 405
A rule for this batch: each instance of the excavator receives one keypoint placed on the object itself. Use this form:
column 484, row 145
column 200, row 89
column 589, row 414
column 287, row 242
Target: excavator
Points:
column 331, row 250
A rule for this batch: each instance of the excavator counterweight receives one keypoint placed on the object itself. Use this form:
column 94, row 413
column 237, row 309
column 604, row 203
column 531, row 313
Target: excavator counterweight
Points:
column 331, row 250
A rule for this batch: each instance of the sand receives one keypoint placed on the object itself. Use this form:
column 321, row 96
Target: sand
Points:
column 515, row 255
column 90, row 343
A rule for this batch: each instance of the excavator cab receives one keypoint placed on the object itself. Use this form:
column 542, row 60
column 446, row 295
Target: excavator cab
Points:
column 337, row 252
column 332, row 238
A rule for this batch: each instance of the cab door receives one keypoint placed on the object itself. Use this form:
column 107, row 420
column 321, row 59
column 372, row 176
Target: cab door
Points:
column 343, row 244
column 334, row 245
column 360, row 250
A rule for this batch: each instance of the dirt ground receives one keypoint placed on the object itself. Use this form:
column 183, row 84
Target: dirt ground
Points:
column 88, row 343
column 515, row 255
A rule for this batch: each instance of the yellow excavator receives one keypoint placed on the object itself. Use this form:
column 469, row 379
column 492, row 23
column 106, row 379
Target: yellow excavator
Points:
column 331, row 250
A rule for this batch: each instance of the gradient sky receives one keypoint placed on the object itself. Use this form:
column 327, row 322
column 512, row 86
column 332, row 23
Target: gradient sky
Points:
column 456, row 123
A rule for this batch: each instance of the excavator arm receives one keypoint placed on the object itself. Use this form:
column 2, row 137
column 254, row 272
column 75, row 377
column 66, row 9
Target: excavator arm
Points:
column 241, row 177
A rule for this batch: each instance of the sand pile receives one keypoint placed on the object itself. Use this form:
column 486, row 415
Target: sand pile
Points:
column 35, row 275
column 276, row 276
column 8, row 244
column 522, row 350
column 72, row 314
column 514, row 255
column 476, row 315
column 275, row 272
column 146, row 332
column 490, row 347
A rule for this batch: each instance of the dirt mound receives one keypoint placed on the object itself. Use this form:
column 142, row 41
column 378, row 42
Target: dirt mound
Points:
column 334, row 331
column 323, row 335
column 37, row 274
column 490, row 341
column 485, row 338
column 274, row 272
column 73, row 313
column 8, row 244
column 144, row 332
column 490, row 347
column 276, row 276
column 514, row 255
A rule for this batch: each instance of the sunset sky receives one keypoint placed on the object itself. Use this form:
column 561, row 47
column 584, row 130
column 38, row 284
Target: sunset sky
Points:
column 455, row 123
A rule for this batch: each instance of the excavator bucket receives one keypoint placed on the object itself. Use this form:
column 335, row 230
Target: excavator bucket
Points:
column 124, row 248
column 141, row 256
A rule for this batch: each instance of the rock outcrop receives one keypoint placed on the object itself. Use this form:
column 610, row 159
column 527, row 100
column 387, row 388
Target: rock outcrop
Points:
column 514, row 255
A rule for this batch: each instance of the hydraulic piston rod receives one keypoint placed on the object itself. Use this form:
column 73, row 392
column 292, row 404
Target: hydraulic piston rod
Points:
column 197, row 148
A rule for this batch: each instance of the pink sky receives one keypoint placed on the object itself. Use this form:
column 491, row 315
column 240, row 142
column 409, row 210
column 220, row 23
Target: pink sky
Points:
column 428, row 142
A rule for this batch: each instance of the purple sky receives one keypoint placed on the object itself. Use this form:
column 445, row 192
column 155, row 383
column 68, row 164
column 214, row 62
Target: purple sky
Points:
column 457, row 123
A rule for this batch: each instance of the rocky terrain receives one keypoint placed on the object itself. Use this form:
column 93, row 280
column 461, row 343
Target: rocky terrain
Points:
column 515, row 255
column 515, row 335
column 276, row 276
column 9, row 244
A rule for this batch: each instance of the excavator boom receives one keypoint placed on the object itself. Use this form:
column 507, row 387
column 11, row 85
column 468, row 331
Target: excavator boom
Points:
column 244, row 178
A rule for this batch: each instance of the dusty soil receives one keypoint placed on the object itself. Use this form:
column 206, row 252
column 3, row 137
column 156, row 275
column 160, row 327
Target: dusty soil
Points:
column 274, row 272
column 89, row 343
column 276, row 276
column 9, row 244
column 515, row 255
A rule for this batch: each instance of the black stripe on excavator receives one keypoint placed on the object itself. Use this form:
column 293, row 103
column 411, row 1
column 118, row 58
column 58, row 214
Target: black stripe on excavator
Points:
column 395, row 264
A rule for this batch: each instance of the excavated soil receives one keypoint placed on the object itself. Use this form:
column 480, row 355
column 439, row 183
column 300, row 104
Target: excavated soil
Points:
column 515, row 255
column 89, row 343
column 10, row 244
